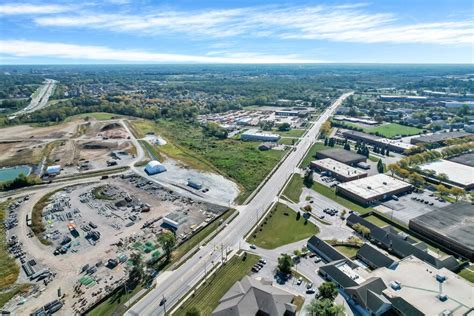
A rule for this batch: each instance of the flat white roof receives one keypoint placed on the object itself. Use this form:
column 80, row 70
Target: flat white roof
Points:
column 456, row 172
column 419, row 287
column 350, row 272
column 373, row 186
column 338, row 167
column 397, row 143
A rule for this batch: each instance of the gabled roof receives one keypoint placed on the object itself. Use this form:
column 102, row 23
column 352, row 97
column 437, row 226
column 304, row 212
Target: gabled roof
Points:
column 325, row 248
column 369, row 294
column 375, row 257
column 249, row 296
column 400, row 247
column 337, row 275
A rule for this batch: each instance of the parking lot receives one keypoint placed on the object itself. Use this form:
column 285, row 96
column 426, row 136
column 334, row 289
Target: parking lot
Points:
column 411, row 205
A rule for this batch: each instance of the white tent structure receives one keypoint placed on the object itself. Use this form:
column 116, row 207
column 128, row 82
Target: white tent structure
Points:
column 154, row 167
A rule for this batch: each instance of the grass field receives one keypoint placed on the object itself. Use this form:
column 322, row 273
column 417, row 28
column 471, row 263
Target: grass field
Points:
column 279, row 229
column 290, row 133
column 331, row 193
column 237, row 160
column 95, row 115
column 206, row 298
column 287, row 141
column 114, row 305
column 294, row 188
column 311, row 153
column 389, row 130
column 467, row 273
column 347, row 251
column 376, row 221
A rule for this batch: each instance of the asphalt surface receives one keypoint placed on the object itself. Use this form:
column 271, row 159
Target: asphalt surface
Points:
column 174, row 285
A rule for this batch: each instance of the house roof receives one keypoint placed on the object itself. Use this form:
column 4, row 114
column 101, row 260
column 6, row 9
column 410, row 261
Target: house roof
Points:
column 401, row 247
column 325, row 248
column 250, row 296
column 369, row 294
column 372, row 255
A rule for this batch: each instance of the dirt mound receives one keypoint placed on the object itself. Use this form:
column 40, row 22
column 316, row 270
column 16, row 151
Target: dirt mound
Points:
column 98, row 145
column 110, row 126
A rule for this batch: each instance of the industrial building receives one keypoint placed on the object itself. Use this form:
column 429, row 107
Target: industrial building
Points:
column 255, row 136
column 374, row 188
column 255, row 297
column 451, row 226
column 390, row 144
column 53, row 170
column 287, row 113
column 174, row 220
column 409, row 288
column 466, row 159
column 458, row 174
column 403, row 98
column 345, row 156
column 340, row 171
column 437, row 138
column 154, row 167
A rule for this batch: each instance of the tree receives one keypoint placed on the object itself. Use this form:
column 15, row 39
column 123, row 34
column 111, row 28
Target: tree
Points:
column 347, row 146
column 394, row 168
column 417, row 180
column 193, row 311
column 284, row 264
column 167, row 241
column 324, row 307
column 343, row 213
column 307, row 208
column 361, row 229
column 137, row 271
column 457, row 192
column 308, row 178
column 404, row 173
column 380, row 167
column 326, row 141
column 328, row 290
column 298, row 216
column 443, row 191
column 284, row 127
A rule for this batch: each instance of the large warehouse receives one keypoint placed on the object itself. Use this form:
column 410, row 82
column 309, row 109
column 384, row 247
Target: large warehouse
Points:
column 391, row 144
column 374, row 188
column 451, row 226
column 341, row 155
column 458, row 174
column 466, row 159
column 255, row 136
column 340, row 171
column 437, row 138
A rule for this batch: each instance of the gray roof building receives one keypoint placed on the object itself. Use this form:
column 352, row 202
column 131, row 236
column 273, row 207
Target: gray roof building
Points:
column 466, row 159
column 253, row 297
column 341, row 155
column 374, row 258
column 437, row 138
column 324, row 250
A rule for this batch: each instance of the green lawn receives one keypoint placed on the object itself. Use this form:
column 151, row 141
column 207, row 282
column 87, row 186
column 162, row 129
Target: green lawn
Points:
column 206, row 298
column 294, row 188
column 290, row 133
column 331, row 193
column 389, row 130
column 376, row 221
column 311, row 154
column 240, row 161
column 114, row 305
column 349, row 252
column 279, row 229
column 287, row 141
column 95, row 115
column 467, row 273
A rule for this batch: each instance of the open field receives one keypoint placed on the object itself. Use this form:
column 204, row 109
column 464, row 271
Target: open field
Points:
column 206, row 298
column 280, row 227
column 347, row 251
column 114, row 305
column 389, row 130
column 287, row 141
column 290, row 133
column 294, row 188
column 311, row 153
column 95, row 115
column 376, row 221
column 237, row 160
column 331, row 193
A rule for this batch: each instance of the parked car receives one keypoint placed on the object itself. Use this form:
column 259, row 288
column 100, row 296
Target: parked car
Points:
column 300, row 280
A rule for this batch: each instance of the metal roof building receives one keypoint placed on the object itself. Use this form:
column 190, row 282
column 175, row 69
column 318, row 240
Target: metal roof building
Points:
column 154, row 167
column 338, row 170
column 341, row 155
column 437, row 138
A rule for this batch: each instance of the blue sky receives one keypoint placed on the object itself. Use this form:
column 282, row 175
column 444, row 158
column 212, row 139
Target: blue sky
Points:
column 141, row 31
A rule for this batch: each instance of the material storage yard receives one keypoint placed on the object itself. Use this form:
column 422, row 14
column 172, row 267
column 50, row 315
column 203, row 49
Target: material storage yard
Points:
column 91, row 230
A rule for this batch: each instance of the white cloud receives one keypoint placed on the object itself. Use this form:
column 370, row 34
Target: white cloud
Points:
column 23, row 48
column 32, row 9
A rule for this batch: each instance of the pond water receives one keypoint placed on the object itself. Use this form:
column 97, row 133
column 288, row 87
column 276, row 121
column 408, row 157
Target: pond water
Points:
column 9, row 174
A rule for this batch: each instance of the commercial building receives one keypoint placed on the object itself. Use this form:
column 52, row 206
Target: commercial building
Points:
column 458, row 174
column 403, row 98
column 374, row 258
column 451, row 226
column 365, row 121
column 437, row 138
column 466, row 159
column 409, row 288
column 287, row 113
column 154, row 167
column 340, row 171
column 459, row 104
column 53, row 170
column 255, row 297
column 174, row 220
column 374, row 188
column 401, row 245
column 390, row 144
column 254, row 136
column 341, row 155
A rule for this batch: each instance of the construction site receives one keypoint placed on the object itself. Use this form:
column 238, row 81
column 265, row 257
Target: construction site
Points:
column 88, row 233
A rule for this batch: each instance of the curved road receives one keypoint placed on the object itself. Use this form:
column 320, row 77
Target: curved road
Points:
column 175, row 284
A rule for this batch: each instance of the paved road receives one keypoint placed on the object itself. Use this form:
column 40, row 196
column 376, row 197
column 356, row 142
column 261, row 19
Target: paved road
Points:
column 41, row 99
column 175, row 284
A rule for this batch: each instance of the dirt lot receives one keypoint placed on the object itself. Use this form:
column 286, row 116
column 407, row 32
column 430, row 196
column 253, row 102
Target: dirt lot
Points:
column 90, row 224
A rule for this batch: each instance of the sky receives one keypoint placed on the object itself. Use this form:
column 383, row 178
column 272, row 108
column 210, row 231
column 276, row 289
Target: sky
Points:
column 201, row 31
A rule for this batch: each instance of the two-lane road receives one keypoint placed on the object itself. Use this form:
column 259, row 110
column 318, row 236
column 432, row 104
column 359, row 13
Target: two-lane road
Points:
column 177, row 283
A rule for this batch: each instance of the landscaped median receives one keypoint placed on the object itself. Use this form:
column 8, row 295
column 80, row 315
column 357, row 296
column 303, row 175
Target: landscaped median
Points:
column 280, row 227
